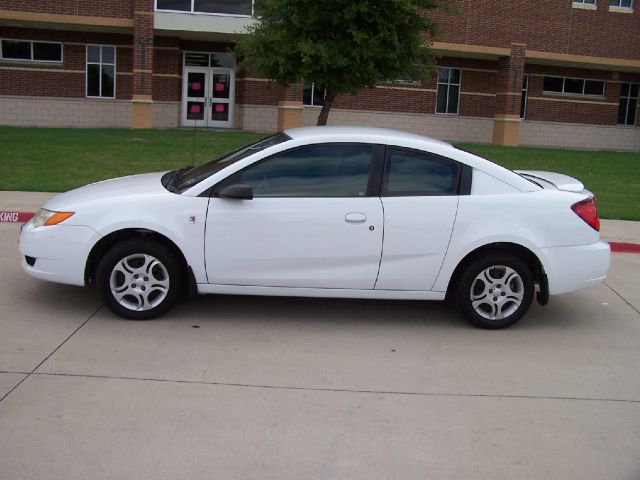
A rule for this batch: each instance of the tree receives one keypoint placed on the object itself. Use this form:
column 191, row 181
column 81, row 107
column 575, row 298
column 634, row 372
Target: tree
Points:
column 345, row 46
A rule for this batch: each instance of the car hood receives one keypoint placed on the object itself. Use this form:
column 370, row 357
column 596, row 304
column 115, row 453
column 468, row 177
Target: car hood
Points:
column 131, row 186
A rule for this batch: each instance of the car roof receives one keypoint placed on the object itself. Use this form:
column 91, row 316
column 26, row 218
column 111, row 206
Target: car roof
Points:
column 346, row 131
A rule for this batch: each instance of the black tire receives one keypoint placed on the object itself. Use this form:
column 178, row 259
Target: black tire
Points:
column 145, row 273
column 495, row 291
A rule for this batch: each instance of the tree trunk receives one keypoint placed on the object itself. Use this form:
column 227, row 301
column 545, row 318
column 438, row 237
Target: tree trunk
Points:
column 326, row 106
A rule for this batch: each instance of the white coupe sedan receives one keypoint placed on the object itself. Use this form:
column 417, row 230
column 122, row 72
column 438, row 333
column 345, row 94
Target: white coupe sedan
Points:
column 326, row 212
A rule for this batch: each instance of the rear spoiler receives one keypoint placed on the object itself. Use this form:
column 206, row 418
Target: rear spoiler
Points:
column 557, row 180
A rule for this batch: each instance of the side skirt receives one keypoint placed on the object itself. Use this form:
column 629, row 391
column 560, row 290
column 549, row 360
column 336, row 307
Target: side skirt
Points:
column 204, row 288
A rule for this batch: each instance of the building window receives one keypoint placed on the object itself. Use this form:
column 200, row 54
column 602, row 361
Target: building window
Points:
column 220, row 7
column 29, row 50
column 628, row 103
column 313, row 96
column 523, row 100
column 573, row 86
column 101, row 71
column 585, row 4
column 621, row 3
column 448, row 90
column 217, row 60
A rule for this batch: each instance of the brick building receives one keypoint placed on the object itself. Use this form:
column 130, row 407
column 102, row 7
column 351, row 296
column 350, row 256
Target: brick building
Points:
column 545, row 72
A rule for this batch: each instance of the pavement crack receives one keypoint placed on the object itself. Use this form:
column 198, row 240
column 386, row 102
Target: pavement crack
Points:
column 621, row 297
column 50, row 354
column 341, row 390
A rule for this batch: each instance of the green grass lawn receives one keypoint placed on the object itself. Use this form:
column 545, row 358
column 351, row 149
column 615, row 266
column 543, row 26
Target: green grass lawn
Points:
column 50, row 159
column 614, row 177
column 59, row 159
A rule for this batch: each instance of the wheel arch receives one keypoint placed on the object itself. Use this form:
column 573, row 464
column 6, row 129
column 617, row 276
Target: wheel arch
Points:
column 108, row 241
column 529, row 257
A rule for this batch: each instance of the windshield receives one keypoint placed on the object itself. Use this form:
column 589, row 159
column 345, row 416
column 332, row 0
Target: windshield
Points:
column 193, row 176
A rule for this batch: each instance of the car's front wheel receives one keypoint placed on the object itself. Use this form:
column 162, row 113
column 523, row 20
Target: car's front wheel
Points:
column 139, row 279
column 495, row 291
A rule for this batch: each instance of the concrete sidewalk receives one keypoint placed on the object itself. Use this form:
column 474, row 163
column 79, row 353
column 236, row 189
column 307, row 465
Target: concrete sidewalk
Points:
column 611, row 230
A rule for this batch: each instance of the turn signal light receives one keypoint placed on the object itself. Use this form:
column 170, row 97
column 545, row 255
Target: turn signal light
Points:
column 587, row 211
column 58, row 217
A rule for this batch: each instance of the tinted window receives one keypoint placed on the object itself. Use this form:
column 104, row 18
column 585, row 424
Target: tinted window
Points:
column 15, row 49
column 327, row 170
column 48, row 52
column 593, row 87
column 195, row 175
column 415, row 173
column 553, row 84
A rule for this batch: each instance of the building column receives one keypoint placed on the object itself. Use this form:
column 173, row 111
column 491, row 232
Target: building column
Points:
column 142, row 99
column 290, row 107
column 506, row 121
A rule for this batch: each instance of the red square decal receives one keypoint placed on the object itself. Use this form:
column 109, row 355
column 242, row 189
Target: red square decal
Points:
column 219, row 107
column 194, row 109
column 196, row 85
column 219, row 87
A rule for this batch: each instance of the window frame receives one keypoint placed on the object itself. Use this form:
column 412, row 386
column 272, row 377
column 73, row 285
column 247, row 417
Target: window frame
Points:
column 101, row 63
column 313, row 86
column 373, row 182
column 195, row 12
column 628, row 97
column 31, row 49
column 524, row 98
column 449, row 84
column 584, row 86
column 619, row 5
column 585, row 4
column 462, row 180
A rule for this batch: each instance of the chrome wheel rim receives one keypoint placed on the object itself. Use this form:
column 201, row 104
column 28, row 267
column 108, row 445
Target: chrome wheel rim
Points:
column 497, row 292
column 139, row 282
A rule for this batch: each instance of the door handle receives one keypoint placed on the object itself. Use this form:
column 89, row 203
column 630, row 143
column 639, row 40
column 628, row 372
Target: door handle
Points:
column 355, row 217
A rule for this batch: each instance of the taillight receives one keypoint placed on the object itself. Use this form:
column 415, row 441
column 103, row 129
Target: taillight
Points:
column 587, row 211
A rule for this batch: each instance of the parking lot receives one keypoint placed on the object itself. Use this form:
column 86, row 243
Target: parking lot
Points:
column 246, row 387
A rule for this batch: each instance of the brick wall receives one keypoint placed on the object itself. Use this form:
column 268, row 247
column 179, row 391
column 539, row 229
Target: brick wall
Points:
column 93, row 8
column 66, row 79
column 545, row 25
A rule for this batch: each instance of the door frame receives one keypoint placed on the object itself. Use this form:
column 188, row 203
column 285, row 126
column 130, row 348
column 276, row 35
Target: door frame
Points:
column 207, row 122
column 184, row 121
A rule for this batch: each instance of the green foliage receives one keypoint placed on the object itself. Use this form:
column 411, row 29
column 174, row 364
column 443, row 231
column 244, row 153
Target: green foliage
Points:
column 344, row 46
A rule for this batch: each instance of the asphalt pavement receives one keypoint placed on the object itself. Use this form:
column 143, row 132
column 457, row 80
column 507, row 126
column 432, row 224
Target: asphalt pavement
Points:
column 228, row 387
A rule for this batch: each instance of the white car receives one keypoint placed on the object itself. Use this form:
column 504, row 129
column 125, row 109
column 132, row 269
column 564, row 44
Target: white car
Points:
column 326, row 212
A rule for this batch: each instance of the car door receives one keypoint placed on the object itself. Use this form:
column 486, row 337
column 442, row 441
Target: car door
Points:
column 420, row 199
column 311, row 223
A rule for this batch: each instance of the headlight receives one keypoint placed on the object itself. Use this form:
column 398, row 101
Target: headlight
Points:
column 46, row 218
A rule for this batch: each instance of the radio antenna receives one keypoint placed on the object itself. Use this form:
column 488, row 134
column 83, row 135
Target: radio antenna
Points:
column 193, row 143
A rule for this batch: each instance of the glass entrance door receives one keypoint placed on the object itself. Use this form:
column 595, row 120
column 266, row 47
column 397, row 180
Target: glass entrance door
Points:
column 221, row 82
column 208, row 97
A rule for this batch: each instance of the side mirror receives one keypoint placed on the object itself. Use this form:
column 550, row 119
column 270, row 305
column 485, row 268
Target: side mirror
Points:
column 239, row 191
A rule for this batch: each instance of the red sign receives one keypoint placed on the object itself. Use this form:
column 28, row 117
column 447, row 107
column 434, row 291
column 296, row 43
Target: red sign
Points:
column 219, row 87
column 219, row 107
column 196, row 86
column 15, row 217
column 194, row 109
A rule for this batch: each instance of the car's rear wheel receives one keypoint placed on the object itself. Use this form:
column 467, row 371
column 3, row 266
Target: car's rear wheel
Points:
column 139, row 279
column 495, row 291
